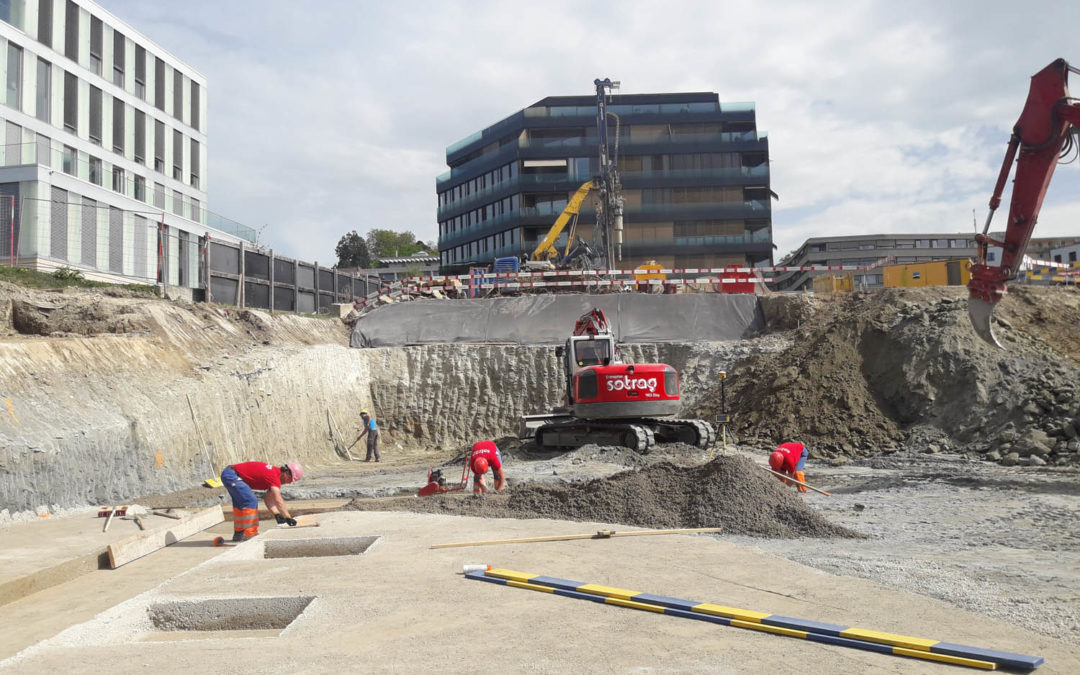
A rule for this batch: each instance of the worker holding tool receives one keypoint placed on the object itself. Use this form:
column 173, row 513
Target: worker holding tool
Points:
column 485, row 454
column 241, row 479
column 790, row 458
column 372, row 431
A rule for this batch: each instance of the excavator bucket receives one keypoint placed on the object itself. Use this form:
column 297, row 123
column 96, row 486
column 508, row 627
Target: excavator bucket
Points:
column 981, row 313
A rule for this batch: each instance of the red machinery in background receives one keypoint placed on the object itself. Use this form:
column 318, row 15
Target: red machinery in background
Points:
column 1041, row 136
column 611, row 402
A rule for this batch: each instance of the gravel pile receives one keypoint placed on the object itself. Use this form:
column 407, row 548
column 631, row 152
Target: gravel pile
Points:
column 730, row 492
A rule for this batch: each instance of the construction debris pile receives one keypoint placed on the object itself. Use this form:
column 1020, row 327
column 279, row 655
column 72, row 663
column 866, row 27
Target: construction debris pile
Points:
column 729, row 492
column 901, row 369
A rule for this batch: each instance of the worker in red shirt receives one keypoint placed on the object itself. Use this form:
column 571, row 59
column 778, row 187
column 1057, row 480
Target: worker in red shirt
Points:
column 241, row 479
column 790, row 458
column 485, row 454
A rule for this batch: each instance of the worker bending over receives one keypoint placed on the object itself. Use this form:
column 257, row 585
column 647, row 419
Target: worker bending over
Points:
column 371, row 430
column 485, row 454
column 241, row 479
column 790, row 458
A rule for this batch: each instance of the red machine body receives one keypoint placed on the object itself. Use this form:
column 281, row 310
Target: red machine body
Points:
column 1040, row 137
column 613, row 402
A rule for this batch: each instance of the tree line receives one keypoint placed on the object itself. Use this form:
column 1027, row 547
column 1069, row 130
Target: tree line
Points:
column 354, row 250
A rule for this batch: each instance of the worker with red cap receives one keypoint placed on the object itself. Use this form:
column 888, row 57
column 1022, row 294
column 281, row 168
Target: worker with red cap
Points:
column 241, row 479
column 790, row 458
column 485, row 454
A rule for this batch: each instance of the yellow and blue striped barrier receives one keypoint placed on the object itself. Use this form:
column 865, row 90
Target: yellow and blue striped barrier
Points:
column 815, row 631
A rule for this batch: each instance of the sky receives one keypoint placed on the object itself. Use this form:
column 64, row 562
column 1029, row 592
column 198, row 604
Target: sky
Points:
column 335, row 115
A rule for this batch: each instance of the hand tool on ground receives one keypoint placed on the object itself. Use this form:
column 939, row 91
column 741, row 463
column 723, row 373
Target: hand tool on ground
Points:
column 797, row 482
column 600, row 534
column 209, row 482
column 335, row 437
column 167, row 514
column 301, row 521
column 108, row 520
column 106, row 511
column 138, row 521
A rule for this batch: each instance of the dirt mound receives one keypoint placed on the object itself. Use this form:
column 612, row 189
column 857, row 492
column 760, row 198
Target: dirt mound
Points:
column 729, row 492
column 902, row 368
column 67, row 315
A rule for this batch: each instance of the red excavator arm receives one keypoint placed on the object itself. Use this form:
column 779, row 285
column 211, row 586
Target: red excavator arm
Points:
column 1041, row 135
column 592, row 323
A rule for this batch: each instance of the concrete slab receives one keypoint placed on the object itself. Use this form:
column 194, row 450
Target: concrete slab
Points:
column 399, row 605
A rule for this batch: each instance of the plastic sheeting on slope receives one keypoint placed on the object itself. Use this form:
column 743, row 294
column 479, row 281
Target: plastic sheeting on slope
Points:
column 549, row 319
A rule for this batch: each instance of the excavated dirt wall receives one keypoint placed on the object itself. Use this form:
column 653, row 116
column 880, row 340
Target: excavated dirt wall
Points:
column 104, row 418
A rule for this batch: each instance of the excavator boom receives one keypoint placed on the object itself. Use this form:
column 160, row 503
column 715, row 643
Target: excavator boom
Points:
column 546, row 250
column 1038, row 139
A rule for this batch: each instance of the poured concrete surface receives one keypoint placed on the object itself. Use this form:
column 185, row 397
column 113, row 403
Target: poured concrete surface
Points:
column 401, row 606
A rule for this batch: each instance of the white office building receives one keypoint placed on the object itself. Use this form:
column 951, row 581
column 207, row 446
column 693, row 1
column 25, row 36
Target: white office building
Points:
column 103, row 155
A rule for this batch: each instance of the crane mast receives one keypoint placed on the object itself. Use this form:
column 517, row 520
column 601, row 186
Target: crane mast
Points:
column 609, row 209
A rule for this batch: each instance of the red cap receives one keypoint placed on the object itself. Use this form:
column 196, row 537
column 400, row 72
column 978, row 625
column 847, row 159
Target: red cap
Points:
column 776, row 460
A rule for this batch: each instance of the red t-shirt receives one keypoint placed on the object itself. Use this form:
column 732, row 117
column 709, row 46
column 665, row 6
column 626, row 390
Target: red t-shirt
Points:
column 488, row 451
column 259, row 475
column 792, row 452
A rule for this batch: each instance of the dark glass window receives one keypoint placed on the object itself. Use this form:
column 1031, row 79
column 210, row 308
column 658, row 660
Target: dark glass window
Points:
column 95, row 114
column 71, row 31
column 44, row 22
column 194, row 104
column 140, row 72
column 14, row 76
column 118, row 126
column 71, row 102
column 194, row 163
column 96, row 38
column 178, row 155
column 119, row 58
column 140, row 136
column 159, row 84
column 95, row 170
column 13, row 12
column 44, row 91
column 178, row 95
column 159, row 146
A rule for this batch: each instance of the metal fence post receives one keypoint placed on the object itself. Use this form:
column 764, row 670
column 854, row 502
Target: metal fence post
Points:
column 317, row 298
column 296, row 287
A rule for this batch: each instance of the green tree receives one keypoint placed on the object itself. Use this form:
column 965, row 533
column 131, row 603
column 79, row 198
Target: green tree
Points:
column 352, row 251
column 390, row 244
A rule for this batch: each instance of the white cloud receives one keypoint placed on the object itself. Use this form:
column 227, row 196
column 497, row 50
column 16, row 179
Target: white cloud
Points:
column 332, row 116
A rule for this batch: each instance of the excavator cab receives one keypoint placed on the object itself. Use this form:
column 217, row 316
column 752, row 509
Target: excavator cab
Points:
column 592, row 352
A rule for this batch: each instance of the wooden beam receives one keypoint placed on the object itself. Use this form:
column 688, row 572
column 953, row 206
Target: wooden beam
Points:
column 145, row 543
column 602, row 534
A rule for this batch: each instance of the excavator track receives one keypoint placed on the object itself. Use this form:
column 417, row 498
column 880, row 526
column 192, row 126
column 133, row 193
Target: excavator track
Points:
column 571, row 434
column 692, row 432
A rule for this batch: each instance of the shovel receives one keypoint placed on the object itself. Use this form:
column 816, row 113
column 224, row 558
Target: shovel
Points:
column 209, row 482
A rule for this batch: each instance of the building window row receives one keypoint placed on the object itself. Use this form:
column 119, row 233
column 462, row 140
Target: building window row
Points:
column 26, row 147
column 482, row 182
column 497, row 244
column 479, row 215
column 14, row 13
column 70, row 118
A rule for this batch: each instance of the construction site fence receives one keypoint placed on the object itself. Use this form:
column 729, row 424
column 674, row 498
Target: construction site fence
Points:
column 106, row 243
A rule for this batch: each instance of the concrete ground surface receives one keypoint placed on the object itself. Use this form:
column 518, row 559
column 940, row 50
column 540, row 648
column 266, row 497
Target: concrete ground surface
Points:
column 400, row 606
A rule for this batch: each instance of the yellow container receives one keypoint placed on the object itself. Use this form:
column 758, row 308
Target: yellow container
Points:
column 834, row 283
column 935, row 273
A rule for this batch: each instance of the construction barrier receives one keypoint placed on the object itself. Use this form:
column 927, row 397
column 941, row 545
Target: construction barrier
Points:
column 815, row 631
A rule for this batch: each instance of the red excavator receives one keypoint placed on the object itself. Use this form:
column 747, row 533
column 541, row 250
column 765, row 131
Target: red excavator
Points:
column 1042, row 135
column 611, row 402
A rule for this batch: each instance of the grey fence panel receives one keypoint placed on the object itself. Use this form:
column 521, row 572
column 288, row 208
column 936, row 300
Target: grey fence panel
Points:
column 58, row 226
column 284, row 272
column 325, row 300
column 256, row 295
column 224, row 259
column 284, row 299
column 305, row 303
column 326, row 280
column 256, row 265
column 224, row 290
column 116, row 240
column 306, row 276
column 88, row 217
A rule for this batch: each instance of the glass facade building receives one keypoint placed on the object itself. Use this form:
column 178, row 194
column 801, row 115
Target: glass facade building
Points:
column 694, row 173
column 103, row 162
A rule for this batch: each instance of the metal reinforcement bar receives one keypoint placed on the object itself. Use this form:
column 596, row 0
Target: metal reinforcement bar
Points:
column 844, row 636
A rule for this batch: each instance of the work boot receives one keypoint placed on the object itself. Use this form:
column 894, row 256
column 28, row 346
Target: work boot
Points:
column 239, row 536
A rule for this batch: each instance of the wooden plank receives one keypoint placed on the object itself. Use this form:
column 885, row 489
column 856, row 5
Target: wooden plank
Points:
column 602, row 534
column 145, row 543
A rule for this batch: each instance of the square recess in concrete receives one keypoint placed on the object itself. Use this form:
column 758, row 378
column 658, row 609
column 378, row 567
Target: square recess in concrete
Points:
column 228, row 614
column 317, row 548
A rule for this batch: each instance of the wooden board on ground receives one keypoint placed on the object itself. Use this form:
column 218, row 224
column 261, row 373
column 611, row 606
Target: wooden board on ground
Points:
column 311, row 520
column 145, row 543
